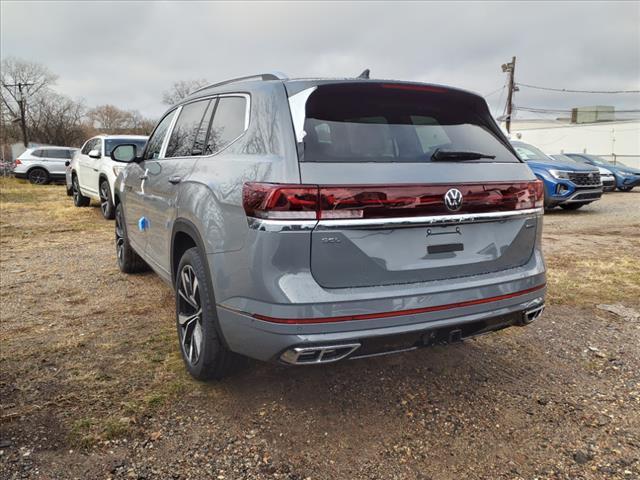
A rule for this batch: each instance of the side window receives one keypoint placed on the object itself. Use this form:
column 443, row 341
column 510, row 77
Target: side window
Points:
column 88, row 146
column 154, row 145
column 58, row 153
column 38, row 153
column 182, row 140
column 228, row 123
column 97, row 145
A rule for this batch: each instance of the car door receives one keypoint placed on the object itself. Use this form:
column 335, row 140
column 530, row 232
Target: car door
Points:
column 85, row 166
column 167, row 172
column 56, row 159
column 94, row 167
column 134, row 186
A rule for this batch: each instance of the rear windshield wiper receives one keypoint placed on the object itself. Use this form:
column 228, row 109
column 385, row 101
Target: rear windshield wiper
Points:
column 457, row 155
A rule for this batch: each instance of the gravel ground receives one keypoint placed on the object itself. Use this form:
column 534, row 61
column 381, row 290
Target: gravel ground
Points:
column 92, row 385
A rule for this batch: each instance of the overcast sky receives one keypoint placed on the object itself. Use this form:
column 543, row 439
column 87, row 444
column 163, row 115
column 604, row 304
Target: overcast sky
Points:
column 127, row 53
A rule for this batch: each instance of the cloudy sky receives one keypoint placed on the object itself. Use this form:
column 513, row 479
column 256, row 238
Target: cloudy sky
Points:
column 127, row 53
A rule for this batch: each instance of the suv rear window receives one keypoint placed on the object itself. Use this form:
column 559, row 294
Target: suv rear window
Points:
column 396, row 123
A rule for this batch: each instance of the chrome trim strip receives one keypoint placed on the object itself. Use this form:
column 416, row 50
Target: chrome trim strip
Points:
column 430, row 220
column 269, row 225
column 265, row 225
column 572, row 199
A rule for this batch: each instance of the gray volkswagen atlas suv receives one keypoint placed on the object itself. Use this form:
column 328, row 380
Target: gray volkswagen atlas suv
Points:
column 307, row 221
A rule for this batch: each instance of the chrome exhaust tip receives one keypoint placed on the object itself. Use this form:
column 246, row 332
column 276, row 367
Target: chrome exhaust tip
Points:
column 529, row 316
column 318, row 354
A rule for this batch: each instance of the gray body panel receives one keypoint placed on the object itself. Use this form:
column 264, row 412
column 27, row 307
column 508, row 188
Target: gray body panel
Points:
column 294, row 274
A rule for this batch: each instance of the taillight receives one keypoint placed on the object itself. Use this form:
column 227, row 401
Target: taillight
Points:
column 17, row 162
column 318, row 202
column 273, row 201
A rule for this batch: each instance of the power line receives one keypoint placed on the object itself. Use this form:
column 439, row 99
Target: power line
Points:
column 568, row 90
column 495, row 91
column 560, row 110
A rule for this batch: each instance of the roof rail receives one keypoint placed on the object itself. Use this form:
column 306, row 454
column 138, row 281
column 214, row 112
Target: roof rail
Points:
column 261, row 76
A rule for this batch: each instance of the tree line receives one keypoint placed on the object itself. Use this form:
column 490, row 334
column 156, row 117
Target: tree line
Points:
column 29, row 99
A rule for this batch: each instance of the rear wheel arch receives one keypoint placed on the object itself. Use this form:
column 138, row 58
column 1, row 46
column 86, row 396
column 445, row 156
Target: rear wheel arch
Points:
column 183, row 237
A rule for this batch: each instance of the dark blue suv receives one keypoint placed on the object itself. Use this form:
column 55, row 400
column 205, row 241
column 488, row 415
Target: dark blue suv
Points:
column 567, row 184
column 626, row 177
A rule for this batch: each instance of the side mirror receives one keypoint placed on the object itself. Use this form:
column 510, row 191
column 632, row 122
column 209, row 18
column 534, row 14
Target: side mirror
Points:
column 124, row 153
column 94, row 153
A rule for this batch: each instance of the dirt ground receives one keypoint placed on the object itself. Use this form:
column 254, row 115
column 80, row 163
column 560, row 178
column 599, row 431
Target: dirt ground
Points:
column 92, row 385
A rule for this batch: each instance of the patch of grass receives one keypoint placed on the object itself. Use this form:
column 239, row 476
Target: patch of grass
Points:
column 116, row 428
column 81, row 434
column 573, row 280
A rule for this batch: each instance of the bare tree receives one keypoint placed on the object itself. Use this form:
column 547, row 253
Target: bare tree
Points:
column 109, row 118
column 22, row 82
column 181, row 89
column 57, row 120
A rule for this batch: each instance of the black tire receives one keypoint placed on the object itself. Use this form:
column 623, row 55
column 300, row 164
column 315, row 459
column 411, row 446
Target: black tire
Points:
column 128, row 260
column 79, row 200
column 572, row 206
column 38, row 176
column 106, row 204
column 69, row 191
column 625, row 189
column 197, row 322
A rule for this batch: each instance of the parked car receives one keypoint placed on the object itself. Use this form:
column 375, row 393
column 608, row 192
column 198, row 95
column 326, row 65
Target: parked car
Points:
column 626, row 177
column 568, row 184
column 93, row 172
column 606, row 176
column 309, row 221
column 40, row 165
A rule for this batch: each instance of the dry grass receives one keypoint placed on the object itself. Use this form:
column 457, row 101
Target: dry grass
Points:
column 576, row 280
column 103, row 342
column 100, row 354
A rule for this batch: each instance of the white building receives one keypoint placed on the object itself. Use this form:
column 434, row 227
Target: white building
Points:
column 617, row 140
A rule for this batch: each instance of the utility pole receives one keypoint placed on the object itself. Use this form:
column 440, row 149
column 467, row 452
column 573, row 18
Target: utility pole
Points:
column 21, row 98
column 511, row 69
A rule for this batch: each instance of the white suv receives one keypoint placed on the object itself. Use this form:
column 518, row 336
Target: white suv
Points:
column 93, row 172
column 43, row 164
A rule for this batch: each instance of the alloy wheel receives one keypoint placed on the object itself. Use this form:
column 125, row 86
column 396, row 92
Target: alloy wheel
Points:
column 189, row 315
column 76, row 189
column 38, row 177
column 104, row 198
column 119, row 236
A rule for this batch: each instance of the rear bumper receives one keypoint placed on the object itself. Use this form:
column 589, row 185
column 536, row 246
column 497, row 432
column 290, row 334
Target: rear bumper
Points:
column 268, row 340
column 20, row 174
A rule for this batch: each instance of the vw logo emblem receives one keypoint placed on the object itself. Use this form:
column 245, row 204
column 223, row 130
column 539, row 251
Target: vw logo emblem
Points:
column 453, row 199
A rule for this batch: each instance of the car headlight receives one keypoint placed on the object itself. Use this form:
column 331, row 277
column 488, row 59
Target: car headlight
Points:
column 117, row 169
column 625, row 174
column 560, row 174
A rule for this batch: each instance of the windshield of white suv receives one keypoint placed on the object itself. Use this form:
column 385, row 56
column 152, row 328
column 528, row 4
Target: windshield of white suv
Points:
column 398, row 123
column 111, row 143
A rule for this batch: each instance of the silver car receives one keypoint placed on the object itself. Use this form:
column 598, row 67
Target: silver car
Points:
column 307, row 221
column 42, row 164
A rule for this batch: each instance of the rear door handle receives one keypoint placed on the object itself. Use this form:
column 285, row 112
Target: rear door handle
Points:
column 175, row 180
